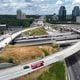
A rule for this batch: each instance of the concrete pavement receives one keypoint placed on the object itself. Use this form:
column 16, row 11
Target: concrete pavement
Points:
column 73, row 67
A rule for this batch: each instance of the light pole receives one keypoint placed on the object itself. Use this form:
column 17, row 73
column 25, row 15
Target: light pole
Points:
column 9, row 32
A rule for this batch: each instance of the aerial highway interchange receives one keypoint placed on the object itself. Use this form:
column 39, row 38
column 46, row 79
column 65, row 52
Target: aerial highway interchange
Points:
column 28, row 68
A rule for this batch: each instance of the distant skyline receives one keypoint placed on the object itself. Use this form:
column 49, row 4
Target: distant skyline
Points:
column 40, row 7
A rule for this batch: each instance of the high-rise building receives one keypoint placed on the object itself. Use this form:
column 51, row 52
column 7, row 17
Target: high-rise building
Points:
column 19, row 14
column 62, row 13
column 75, row 12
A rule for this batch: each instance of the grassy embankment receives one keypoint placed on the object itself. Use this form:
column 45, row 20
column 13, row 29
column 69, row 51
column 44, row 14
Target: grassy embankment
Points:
column 37, row 31
column 55, row 72
column 15, row 54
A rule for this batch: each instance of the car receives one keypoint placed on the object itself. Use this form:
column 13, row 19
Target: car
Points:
column 26, row 67
column 37, row 65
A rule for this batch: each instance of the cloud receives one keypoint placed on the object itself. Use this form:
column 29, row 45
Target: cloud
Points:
column 76, row 2
column 36, row 6
column 67, row 0
column 59, row 2
column 38, row 0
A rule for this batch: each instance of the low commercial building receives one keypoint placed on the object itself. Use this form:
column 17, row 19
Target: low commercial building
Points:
column 78, row 19
column 3, row 27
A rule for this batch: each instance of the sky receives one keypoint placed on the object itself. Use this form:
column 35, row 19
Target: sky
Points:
column 41, row 7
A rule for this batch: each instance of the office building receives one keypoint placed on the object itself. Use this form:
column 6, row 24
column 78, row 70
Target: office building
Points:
column 20, row 14
column 62, row 13
column 75, row 13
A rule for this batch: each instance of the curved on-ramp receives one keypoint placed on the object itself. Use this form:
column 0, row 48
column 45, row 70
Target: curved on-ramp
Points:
column 11, row 37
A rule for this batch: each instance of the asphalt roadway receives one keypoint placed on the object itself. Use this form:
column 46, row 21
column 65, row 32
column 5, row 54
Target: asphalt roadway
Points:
column 73, row 67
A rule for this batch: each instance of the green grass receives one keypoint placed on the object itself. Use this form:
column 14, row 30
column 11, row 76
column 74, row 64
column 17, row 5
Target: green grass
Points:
column 45, row 52
column 37, row 31
column 55, row 72
column 55, row 45
column 2, row 59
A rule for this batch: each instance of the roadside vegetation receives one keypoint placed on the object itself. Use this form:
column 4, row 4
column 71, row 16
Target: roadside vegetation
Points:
column 55, row 72
column 45, row 52
column 37, row 31
column 17, row 55
column 16, row 22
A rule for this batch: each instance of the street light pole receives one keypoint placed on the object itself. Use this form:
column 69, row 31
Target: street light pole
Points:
column 9, row 32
